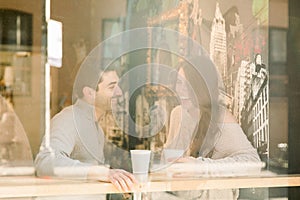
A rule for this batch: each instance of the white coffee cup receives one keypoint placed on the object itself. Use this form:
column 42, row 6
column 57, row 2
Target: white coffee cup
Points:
column 172, row 154
column 140, row 160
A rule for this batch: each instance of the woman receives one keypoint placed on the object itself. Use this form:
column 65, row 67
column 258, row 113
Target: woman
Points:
column 216, row 137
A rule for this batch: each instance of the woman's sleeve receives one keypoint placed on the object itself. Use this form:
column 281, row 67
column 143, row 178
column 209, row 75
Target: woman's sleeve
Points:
column 233, row 155
column 234, row 145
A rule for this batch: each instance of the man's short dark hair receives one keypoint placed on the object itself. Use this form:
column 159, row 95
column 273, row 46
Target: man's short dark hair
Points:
column 89, row 75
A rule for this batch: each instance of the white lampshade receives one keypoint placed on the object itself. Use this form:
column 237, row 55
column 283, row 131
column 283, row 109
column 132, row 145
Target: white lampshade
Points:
column 8, row 76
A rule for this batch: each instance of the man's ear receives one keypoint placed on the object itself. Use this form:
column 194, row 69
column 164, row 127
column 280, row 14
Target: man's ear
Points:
column 88, row 92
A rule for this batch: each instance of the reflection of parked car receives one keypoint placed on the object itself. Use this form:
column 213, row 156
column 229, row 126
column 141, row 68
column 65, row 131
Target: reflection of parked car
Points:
column 263, row 151
column 6, row 122
column 6, row 127
column 282, row 154
column 14, row 146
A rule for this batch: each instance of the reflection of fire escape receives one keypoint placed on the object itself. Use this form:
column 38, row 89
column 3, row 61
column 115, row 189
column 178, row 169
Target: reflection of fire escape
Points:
column 218, row 48
column 242, row 88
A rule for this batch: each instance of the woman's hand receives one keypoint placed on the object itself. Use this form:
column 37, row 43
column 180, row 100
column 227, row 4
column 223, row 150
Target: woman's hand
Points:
column 122, row 180
column 186, row 160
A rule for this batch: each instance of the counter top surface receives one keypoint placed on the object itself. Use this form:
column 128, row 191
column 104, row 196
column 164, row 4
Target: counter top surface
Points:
column 27, row 186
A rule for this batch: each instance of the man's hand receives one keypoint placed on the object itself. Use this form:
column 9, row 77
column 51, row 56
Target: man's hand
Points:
column 122, row 180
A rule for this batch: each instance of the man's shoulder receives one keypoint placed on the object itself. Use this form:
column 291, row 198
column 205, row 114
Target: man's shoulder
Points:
column 64, row 114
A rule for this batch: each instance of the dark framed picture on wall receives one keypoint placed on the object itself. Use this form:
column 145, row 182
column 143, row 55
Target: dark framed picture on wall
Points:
column 278, row 46
column 278, row 62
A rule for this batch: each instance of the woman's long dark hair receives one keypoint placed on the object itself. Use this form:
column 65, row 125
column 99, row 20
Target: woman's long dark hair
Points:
column 206, row 100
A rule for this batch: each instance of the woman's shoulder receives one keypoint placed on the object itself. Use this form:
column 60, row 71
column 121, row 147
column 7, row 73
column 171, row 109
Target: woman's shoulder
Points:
column 230, row 124
column 229, row 118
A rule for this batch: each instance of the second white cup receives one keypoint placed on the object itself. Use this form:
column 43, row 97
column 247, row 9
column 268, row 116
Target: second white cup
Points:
column 172, row 154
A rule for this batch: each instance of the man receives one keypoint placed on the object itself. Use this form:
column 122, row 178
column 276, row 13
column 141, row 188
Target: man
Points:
column 76, row 140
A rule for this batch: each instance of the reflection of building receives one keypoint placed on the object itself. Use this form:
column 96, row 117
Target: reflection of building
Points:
column 251, row 103
column 254, row 114
column 218, row 48
column 235, row 37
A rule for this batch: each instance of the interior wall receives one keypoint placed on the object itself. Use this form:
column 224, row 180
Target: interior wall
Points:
column 278, row 124
column 29, row 108
column 278, row 105
column 276, row 19
column 293, row 57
